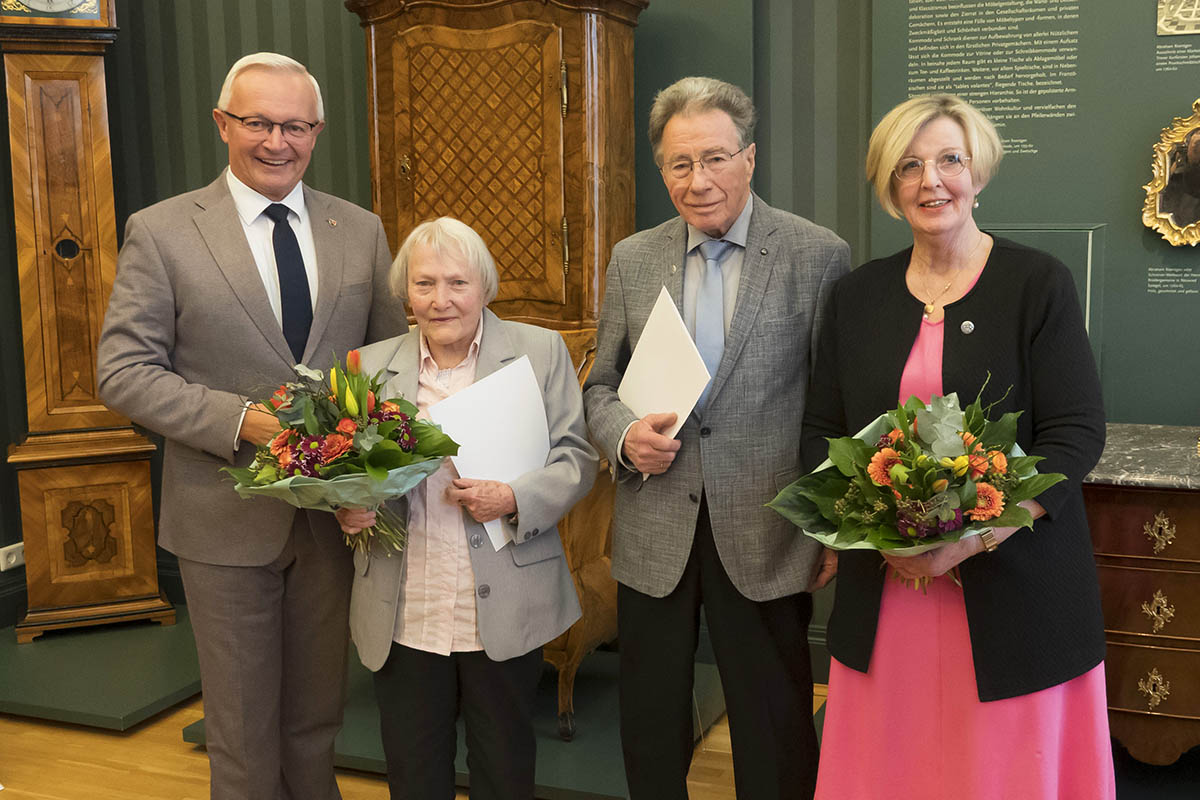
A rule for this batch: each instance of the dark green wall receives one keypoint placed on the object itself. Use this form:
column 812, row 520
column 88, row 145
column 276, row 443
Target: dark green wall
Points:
column 1088, row 176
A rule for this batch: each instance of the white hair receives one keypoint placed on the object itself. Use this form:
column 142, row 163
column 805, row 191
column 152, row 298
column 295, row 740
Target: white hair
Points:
column 447, row 236
column 272, row 61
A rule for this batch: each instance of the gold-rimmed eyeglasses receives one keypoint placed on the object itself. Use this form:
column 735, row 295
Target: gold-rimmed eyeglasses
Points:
column 296, row 129
column 713, row 163
column 947, row 165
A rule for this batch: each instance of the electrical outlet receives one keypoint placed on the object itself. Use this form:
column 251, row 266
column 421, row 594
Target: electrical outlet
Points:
column 12, row 556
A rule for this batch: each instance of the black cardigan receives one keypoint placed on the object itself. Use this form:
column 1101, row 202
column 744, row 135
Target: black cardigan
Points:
column 1033, row 605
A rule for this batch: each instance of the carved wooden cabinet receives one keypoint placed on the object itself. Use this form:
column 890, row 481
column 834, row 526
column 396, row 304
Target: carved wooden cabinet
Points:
column 1143, row 503
column 516, row 116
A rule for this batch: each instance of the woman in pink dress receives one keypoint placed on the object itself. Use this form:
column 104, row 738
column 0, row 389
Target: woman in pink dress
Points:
column 995, row 689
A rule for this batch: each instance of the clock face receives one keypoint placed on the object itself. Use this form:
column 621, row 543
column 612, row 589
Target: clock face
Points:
column 52, row 6
column 58, row 13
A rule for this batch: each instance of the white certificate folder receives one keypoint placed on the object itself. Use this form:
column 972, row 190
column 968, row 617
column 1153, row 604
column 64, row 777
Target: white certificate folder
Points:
column 500, row 425
column 665, row 372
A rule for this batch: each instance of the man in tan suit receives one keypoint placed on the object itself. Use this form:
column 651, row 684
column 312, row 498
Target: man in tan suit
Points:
column 220, row 292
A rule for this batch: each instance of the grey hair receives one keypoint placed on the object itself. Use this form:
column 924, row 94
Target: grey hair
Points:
column 446, row 236
column 273, row 61
column 689, row 96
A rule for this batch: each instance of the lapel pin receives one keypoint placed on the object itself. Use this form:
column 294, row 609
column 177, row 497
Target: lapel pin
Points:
column 763, row 251
column 332, row 222
column 674, row 268
column 967, row 326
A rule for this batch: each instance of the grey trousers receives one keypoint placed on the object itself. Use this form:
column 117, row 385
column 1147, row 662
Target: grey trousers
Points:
column 272, row 642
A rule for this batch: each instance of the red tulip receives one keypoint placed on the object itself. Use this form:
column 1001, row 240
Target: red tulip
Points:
column 353, row 362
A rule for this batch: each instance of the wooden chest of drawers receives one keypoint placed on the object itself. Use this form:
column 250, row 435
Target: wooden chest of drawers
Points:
column 1143, row 503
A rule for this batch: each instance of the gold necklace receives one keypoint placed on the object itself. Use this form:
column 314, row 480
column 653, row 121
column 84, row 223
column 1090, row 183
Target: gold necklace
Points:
column 929, row 306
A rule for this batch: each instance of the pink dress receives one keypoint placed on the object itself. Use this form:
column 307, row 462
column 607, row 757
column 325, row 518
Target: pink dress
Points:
column 913, row 726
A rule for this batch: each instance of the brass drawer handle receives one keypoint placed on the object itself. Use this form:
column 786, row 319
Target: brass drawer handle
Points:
column 1159, row 610
column 1155, row 686
column 1161, row 531
column 406, row 172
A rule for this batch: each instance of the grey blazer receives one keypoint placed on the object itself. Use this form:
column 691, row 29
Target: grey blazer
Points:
column 745, row 445
column 524, row 592
column 189, row 335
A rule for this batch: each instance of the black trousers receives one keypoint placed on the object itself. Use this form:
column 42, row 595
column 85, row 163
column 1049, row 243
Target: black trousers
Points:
column 420, row 696
column 762, row 655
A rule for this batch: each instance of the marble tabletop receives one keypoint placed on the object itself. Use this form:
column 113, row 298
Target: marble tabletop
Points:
column 1159, row 456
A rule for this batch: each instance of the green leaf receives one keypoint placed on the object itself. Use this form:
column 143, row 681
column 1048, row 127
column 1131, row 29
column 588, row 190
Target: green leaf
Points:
column 405, row 406
column 243, row 475
column 1034, row 485
column 968, row 496
column 431, row 441
column 1013, row 516
column 851, row 456
column 310, row 419
column 1023, row 465
column 385, row 456
column 1001, row 433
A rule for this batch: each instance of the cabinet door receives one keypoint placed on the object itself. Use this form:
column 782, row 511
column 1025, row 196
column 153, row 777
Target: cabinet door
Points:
column 479, row 136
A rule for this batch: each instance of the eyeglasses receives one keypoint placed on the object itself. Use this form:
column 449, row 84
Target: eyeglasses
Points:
column 713, row 163
column 947, row 164
column 296, row 129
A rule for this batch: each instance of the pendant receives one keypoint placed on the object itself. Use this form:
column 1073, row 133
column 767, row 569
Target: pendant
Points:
column 929, row 309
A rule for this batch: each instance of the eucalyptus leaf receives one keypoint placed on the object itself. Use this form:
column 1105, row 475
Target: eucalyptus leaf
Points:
column 308, row 372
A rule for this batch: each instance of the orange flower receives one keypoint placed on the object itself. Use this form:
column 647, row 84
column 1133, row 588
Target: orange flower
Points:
column 881, row 463
column 279, row 399
column 389, row 406
column 370, row 402
column 353, row 362
column 347, row 426
column 895, row 435
column 989, row 502
column 334, row 445
column 999, row 461
column 977, row 466
column 284, row 456
column 281, row 441
column 969, row 441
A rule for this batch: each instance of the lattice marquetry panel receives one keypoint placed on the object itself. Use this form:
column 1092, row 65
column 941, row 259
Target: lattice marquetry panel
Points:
column 66, row 256
column 479, row 137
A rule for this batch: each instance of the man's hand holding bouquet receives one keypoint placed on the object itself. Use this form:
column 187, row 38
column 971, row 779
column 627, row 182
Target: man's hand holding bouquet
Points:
column 340, row 444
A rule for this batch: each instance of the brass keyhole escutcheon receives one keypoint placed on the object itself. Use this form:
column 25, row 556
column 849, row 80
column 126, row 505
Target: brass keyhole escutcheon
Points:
column 1160, row 531
column 1155, row 687
column 66, row 249
column 1158, row 610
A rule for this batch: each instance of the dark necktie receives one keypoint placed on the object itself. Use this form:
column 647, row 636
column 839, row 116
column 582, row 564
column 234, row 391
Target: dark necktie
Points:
column 294, row 298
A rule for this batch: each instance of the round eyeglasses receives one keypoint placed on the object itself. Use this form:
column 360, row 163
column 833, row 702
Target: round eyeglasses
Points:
column 296, row 129
column 947, row 165
column 713, row 163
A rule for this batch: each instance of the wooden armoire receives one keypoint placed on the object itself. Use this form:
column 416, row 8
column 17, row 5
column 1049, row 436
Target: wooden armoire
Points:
column 516, row 116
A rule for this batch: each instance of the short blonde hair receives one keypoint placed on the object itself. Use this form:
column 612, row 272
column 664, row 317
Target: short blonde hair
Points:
column 896, row 130
column 272, row 61
column 446, row 236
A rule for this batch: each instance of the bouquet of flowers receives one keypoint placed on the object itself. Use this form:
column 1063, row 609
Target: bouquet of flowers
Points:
column 339, row 444
column 916, row 478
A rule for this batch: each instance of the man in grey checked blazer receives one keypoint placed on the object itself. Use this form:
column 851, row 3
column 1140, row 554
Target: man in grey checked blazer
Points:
column 193, row 328
column 696, row 533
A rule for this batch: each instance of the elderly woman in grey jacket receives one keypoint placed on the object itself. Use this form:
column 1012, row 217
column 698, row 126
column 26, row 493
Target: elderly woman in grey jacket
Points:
column 453, row 624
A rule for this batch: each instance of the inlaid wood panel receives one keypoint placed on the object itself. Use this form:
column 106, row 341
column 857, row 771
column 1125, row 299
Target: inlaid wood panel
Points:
column 66, row 243
column 79, row 525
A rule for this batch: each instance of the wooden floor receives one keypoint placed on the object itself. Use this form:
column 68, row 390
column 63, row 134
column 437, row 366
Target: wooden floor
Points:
column 57, row 761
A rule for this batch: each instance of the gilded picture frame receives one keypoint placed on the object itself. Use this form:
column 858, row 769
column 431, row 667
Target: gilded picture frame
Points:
column 1172, row 204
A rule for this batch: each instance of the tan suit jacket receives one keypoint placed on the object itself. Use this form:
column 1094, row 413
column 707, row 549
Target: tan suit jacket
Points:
column 190, row 334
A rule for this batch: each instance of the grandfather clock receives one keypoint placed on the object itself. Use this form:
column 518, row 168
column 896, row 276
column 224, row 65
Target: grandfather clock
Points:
column 83, row 472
